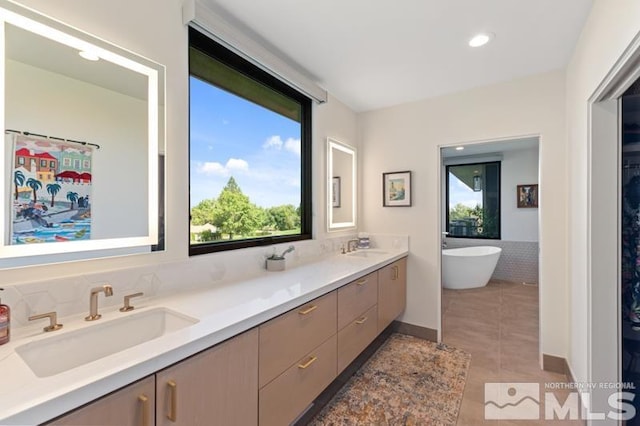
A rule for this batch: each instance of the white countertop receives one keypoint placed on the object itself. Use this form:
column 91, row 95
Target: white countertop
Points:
column 222, row 311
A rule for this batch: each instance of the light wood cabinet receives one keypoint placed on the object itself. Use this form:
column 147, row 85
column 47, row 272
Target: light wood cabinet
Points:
column 216, row 387
column 133, row 405
column 356, row 336
column 356, row 297
column 267, row 375
column 282, row 400
column 287, row 338
column 392, row 292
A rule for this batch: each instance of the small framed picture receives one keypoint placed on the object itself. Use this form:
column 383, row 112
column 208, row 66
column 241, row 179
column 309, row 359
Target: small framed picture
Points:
column 335, row 191
column 528, row 196
column 396, row 189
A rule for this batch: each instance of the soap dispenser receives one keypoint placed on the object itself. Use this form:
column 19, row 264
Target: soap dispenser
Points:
column 5, row 318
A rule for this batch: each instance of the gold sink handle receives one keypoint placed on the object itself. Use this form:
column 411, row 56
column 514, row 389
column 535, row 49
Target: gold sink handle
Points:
column 53, row 321
column 127, row 302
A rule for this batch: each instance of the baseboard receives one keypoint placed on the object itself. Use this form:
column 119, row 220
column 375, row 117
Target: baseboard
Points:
column 416, row 331
column 556, row 364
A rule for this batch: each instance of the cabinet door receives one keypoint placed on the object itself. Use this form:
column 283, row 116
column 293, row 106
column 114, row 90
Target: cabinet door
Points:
column 131, row 405
column 216, row 387
column 392, row 292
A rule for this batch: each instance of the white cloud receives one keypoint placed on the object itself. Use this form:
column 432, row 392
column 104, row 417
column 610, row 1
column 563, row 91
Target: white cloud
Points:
column 467, row 202
column 237, row 164
column 276, row 142
column 218, row 169
column 292, row 145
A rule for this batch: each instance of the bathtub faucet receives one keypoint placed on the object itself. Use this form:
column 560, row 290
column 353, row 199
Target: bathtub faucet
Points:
column 444, row 239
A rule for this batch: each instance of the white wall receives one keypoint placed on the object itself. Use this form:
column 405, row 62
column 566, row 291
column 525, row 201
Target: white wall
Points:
column 518, row 167
column 155, row 30
column 48, row 103
column 610, row 28
column 407, row 137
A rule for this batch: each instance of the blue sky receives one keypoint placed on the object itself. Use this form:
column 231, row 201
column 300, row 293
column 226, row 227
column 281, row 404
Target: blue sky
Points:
column 460, row 193
column 231, row 136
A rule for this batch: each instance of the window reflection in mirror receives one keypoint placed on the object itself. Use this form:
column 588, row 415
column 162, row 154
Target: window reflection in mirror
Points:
column 341, row 185
column 83, row 145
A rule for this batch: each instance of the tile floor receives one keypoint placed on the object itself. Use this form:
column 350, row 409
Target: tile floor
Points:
column 498, row 325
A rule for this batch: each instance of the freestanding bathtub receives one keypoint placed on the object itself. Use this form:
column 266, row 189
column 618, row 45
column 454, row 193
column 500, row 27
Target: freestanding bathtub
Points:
column 468, row 267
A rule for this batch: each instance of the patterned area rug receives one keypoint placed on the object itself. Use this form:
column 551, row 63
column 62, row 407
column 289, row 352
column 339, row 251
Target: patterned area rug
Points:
column 408, row 381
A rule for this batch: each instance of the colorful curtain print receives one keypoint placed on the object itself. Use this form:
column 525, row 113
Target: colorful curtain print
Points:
column 51, row 190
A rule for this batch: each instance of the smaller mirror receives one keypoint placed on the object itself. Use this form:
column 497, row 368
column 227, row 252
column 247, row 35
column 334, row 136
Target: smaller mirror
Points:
column 341, row 186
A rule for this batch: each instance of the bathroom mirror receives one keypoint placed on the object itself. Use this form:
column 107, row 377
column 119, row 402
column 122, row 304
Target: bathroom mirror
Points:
column 341, row 186
column 83, row 158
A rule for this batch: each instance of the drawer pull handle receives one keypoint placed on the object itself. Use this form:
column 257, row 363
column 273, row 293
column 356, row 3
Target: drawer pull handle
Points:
column 395, row 272
column 308, row 310
column 173, row 404
column 362, row 320
column 144, row 401
column 362, row 281
column 308, row 363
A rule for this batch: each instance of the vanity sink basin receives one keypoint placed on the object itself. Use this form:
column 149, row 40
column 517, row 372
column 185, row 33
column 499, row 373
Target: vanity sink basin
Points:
column 366, row 253
column 65, row 351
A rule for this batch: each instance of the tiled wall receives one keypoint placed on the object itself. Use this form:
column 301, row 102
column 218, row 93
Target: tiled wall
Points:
column 518, row 261
column 70, row 296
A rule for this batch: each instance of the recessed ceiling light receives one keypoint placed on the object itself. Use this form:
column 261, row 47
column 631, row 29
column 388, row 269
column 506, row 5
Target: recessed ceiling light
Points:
column 89, row 56
column 459, row 148
column 480, row 39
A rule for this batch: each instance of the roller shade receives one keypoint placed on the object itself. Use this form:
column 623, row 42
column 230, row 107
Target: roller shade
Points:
column 201, row 16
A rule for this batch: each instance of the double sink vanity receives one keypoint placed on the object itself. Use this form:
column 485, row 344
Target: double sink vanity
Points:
column 256, row 351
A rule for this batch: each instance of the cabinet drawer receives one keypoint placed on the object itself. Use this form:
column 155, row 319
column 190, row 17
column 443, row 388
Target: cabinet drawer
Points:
column 287, row 338
column 356, row 336
column 355, row 298
column 282, row 400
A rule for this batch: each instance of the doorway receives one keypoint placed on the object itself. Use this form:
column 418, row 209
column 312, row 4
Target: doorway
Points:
column 481, row 206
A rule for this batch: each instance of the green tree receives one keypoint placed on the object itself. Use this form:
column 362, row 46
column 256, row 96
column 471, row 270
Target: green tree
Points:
column 73, row 197
column 18, row 180
column 203, row 212
column 34, row 184
column 284, row 217
column 461, row 211
column 53, row 189
column 234, row 214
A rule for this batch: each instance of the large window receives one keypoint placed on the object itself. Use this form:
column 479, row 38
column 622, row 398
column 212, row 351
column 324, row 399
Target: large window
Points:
column 249, row 153
column 473, row 200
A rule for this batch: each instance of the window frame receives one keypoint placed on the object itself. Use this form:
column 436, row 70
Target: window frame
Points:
column 222, row 54
column 482, row 163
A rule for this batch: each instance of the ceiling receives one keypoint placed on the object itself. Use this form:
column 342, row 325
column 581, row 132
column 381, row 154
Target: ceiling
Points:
column 372, row 54
column 490, row 147
column 32, row 49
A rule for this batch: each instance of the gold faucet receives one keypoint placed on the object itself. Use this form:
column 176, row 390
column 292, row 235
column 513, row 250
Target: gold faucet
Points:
column 93, row 301
column 349, row 245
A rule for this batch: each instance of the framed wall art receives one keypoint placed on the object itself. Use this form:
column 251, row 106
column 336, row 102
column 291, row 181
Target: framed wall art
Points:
column 335, row 191
column 528, row 196
column 396, row 189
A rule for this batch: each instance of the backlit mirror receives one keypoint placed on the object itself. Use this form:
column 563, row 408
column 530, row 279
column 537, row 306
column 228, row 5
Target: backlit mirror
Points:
column 341, row 185
column 83, row 158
